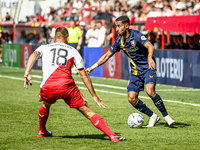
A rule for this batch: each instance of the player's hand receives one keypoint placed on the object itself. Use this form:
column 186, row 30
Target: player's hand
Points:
column 88, row 70
column 78, row 47
column 27, row 79
column 99, row 101
column 152, row 64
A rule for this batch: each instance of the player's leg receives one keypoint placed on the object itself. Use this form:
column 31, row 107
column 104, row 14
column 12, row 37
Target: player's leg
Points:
column 99, row 122
column 43, row 116
column 138, row 104
column 150, row 82
column 134, row 86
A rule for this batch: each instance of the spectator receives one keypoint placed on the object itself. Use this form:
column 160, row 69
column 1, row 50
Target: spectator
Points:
column 117, row 11
column 95, row 5
column 192, row 44
column 23, row 37
column 176, row 44
column 75, row 35
column 9, row 41
column 171, row 44
column 158, row 44
column 92, row 35
column 168, row 11
column 77, row 5
column 146, row 7
column 52, row 31
column 83, row 30
column 196, row 6
column 40, row 18
column 1, row 42
column 181, row 43
column 152, row 38
column 102, row 34
column 196, row 39
column 86, row 13
column 7, row 17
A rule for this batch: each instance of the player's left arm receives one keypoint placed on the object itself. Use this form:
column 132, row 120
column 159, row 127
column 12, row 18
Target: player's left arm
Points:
column 80, row 41
column 150, row 47
column 31, row 61
column 87, row 81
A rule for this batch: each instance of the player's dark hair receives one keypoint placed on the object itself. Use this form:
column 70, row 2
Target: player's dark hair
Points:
column 61, row 33
column 99, row 22
column 124, row 19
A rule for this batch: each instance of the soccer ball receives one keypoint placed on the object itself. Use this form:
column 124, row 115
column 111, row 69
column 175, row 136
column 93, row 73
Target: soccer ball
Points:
column 135, row 120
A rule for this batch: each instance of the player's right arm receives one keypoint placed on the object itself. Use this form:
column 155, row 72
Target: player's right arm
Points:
column 101, row 61
column 31, row 61
column 88, row 83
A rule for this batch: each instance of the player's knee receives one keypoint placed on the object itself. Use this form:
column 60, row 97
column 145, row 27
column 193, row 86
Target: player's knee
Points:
column 46, row 105
column 133, row 100
column 151, row 92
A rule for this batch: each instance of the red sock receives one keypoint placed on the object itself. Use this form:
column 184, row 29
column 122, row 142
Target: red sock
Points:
column 99, row 123
column 43, row 116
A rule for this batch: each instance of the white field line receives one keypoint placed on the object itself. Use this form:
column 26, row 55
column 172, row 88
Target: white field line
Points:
column 103, row 91
column 124, row 88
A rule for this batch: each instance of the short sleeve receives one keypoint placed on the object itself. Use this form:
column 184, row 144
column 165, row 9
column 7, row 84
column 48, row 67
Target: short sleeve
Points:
column 40, row 49
column 87, row 34
column 141, row 38
column 78, row 61
column 79, row 31
column 116, row 47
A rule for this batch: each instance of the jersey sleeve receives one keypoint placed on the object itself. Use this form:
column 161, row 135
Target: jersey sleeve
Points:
column 40, row 49
column 115, row 47
column 141, row 38
column 78, row 61
column 79, row 32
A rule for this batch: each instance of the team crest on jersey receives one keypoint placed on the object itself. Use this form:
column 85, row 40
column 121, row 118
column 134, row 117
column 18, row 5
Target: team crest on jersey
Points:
column 143, row 37
column 133, row 43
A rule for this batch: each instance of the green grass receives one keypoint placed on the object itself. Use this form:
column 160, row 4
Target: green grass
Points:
column 72, row 131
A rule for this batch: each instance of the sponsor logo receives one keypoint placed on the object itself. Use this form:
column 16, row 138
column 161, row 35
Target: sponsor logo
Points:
column 170, row 68
column 111, row 66
column 150, row 76
column 133, row 43
column 132, row 50
column 143, row 38
column 25, row 56
column 10, row 56
column 96, row 123
column 41, row 115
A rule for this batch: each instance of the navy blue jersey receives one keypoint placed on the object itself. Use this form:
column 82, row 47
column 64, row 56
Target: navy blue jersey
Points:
column 134, row 48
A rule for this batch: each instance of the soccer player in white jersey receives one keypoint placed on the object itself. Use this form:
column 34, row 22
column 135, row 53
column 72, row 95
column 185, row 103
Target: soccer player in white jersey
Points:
column 57, row 60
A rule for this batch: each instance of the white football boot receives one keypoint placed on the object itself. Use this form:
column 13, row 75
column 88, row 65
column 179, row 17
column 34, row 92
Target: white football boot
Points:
column 169, row 120
column 153, row 120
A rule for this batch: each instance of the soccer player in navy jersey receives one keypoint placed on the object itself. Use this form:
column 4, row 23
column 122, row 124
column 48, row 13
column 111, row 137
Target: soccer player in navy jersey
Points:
column 143, row 68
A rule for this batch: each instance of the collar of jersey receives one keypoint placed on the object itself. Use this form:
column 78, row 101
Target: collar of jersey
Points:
column 60, row 42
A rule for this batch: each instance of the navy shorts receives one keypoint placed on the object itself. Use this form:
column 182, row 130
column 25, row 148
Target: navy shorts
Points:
column 136, row 83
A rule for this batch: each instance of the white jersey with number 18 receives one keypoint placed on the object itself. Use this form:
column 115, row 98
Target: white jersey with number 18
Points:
column 57, row 60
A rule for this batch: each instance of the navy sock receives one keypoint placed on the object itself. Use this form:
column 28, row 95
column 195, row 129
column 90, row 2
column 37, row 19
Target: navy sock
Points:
column 143, row 108
column 160, row 105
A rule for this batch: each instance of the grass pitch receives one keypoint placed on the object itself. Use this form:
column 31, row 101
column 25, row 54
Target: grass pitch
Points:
column 72, row 131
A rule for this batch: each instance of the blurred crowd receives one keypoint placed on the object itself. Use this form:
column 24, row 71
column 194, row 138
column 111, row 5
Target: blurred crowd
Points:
column 132, row 8
column 175, row 41
column 77, row 10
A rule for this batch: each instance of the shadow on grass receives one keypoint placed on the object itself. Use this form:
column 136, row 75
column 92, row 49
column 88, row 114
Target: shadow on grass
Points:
column 176, row 125
column 91, row 136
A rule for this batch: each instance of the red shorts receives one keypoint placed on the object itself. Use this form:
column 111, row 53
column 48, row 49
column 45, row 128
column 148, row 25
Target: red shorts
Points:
column 69, row 93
